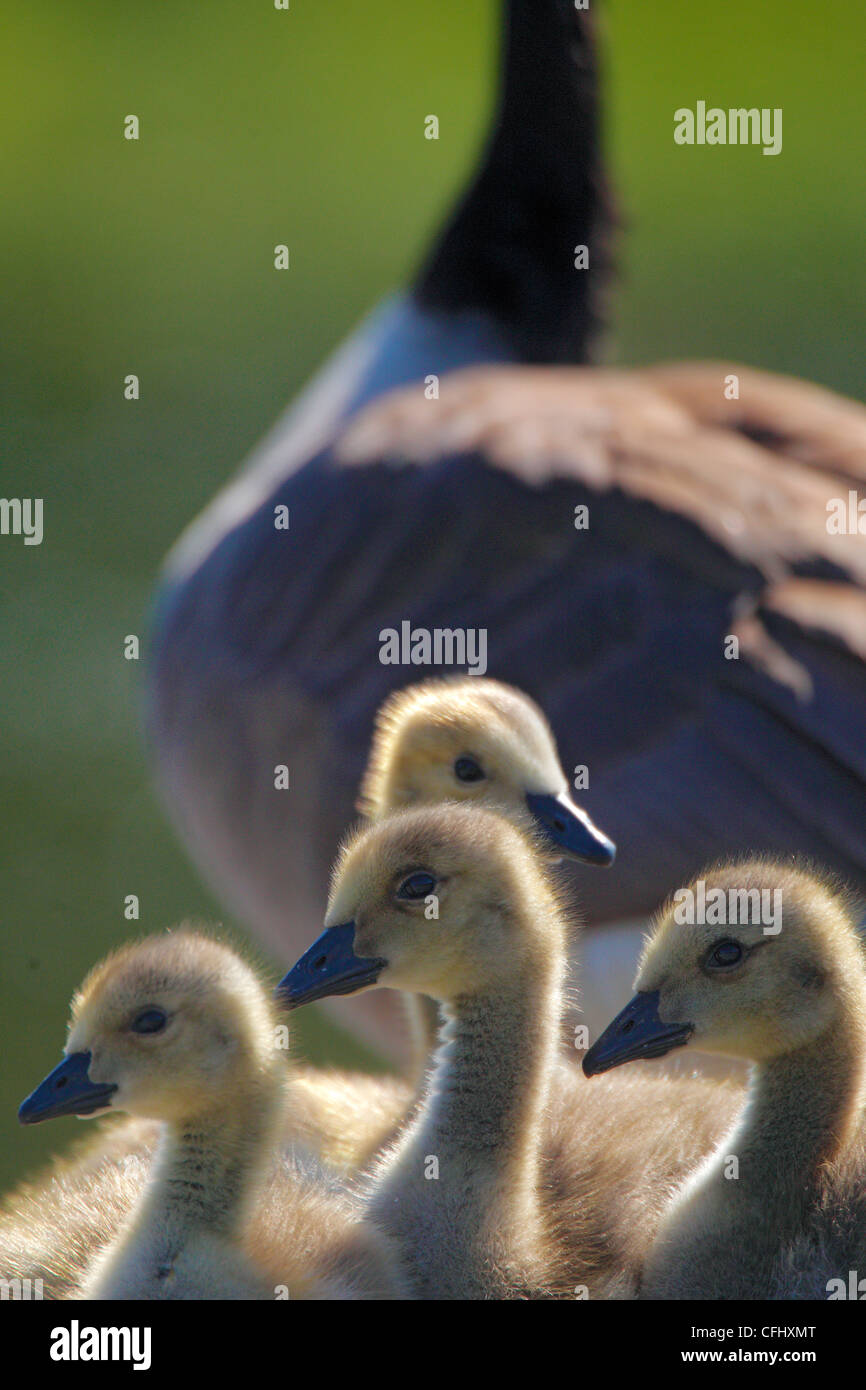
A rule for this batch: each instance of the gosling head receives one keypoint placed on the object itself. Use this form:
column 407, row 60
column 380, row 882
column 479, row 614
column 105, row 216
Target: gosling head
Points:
column 441, row 900
column 768, row 973
column 168, row 1028
column 479, row 741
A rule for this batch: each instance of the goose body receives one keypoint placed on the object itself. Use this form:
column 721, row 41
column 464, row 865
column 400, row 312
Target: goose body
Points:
column 498, row 286
column 779, row 1209
column 178, row 1029
column 706, row 520
column 527, row 1195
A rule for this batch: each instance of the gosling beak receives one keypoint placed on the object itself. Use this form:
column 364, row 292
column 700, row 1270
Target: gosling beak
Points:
column 570, row 829
column 330, row 966
column 67, row 1090
column 636, row 1034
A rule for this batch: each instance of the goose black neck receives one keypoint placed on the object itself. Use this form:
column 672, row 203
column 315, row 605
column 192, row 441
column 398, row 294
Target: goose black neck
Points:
column 509, row 250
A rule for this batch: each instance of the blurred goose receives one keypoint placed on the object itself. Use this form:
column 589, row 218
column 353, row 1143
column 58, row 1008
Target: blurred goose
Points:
column 779, row 1210
column 498, row 286
column 611, row 531
column 515, row 1178
column 178, row 1029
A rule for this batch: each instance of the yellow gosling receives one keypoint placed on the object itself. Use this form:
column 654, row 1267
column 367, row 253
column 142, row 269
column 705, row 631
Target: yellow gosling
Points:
column 514, row 1179
column 775, row 976
column 177, row 1029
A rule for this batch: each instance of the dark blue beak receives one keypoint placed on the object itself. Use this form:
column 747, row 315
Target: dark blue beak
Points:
column 330, row 966
column 636, row 1034
column 570, row 829
column 67, row 1090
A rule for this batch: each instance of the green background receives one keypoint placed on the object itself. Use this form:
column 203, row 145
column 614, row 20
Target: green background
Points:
column 306, row 127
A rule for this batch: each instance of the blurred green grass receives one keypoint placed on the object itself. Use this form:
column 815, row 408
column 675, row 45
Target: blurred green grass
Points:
column 155, row 257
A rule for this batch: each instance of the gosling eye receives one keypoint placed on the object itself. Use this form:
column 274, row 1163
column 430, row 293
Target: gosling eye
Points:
column 466, row 769
column 724, row 955
column 149, row 1021
column 417, row 886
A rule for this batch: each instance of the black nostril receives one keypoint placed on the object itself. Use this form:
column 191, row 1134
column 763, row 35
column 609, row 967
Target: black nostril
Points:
column 320, row 963
column 627, row 1026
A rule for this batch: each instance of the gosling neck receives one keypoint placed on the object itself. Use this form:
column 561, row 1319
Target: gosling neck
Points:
column 803, row 1109
column 492, row 1075
column 423, row 1016
column 725, row 1230
column 471, row 1228
column 206, row 1167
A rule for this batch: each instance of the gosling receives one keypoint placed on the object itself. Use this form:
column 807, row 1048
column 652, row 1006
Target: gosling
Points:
column 178, row 1029
column 779, row 1209
column 514, row 1179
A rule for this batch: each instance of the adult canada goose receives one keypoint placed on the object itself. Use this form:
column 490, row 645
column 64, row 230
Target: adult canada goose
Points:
column 777, row 976
column 178, row 1029
column 509, row 1182
column 707, row 521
